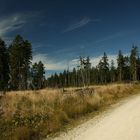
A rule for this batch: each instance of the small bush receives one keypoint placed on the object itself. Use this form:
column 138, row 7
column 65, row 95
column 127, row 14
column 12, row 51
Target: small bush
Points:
column 24, row 133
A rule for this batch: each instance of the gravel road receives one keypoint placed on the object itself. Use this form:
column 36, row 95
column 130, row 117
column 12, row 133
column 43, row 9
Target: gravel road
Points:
column 121, row 122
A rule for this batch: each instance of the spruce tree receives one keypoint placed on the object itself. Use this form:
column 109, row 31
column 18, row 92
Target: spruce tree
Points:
column 38, row 70
column 112, row 71
column 4, row 66
column 103, row 67
column 138, row 68
column 120, row 62
column 133, row 62
column 20, row 55
column 126, row 69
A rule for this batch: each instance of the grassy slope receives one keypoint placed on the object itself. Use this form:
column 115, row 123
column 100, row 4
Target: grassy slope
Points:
column 36, row 114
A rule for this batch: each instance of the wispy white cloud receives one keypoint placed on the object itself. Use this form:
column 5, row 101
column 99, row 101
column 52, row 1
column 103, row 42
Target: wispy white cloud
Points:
column 116, row 35
column 62, row 65
column 53, row 65
column 80, row 24
column 11, row 23
column 50, row 64
column 16, row 21
column 95, row 60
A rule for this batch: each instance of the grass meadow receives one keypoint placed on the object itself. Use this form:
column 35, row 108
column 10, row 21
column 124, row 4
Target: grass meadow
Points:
column 34, row 115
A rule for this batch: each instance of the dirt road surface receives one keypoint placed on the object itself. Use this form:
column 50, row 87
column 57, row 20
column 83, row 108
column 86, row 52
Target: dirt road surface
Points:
column 122, row 122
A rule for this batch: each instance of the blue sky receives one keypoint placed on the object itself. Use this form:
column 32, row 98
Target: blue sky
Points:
column 61, row 30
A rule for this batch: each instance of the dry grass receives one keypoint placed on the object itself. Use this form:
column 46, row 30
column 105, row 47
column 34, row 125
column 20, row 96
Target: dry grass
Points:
column 39, row 113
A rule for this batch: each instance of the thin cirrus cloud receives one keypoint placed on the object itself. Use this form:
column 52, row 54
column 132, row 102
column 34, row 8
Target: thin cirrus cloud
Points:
column 11, row 23
column 117, row 35
column 16, row 21
column 50, row 64
column 54, row 65
column 83, row 22
column 96, row 59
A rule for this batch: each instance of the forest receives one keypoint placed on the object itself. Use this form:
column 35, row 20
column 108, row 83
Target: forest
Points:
column 126, row 70
column 17, row 72
column 16, row 69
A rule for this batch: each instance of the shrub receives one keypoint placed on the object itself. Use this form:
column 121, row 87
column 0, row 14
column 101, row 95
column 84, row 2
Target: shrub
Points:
column 25, row 133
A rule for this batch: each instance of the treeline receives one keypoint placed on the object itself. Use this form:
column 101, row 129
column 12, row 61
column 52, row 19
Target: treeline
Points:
column 16, row 69
column 127, row 70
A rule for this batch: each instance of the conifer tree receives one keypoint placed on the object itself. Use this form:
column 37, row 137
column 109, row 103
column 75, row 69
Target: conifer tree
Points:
column 4, row 66
column 120, row 62
column 103, row 67
column 138, row 69
column 126, row 69
column 133, row 62
column 20, row 55
column 112, row 72
column 38, row 70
